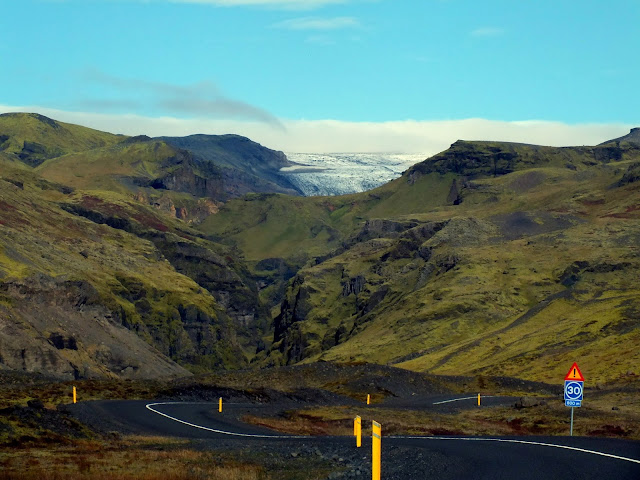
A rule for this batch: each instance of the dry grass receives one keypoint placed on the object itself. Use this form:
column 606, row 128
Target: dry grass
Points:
column 139, row 458
column 301, row 423
column 18, row 388
column 549, row 419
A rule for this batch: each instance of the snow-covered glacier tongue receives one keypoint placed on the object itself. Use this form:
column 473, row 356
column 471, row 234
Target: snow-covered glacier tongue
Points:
column 342, row 173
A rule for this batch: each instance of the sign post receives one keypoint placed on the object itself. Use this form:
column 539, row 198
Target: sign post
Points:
column 376, row 453
column 573, row 390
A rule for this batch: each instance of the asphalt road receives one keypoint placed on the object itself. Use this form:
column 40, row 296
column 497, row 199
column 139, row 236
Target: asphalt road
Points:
column 519, row 458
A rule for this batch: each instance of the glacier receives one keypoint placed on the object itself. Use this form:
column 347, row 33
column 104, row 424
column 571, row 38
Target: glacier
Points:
column 328, row 174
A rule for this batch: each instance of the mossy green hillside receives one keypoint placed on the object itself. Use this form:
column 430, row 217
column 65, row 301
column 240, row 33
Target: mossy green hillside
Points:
column 489, row 258
column 32, row 138
column 529, row 270
column 124, row 276
column 272, row 225
column 120, row 167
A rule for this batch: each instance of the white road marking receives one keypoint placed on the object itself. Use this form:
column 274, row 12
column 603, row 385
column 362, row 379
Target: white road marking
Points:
column 465, row 398
column 467, row 439
column 223, row 432
column 525, row 442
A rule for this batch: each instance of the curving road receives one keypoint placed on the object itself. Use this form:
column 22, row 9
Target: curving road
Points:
column 410, row 457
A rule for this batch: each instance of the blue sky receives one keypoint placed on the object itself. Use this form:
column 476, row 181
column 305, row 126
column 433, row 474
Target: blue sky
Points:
column 277, row 69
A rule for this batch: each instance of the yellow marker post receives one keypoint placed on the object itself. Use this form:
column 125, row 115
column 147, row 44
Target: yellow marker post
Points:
column 368, row 399
column 478, row 399
column 376, row 451
column 358, row 431
column 220, row 405
column 74, row 394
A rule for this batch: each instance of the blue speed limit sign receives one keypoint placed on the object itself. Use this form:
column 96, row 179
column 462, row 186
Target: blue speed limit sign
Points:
column 573, row 391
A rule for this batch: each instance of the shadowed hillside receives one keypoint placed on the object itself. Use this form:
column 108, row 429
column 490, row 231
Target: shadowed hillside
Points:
column 246, row 166
column 487, row 258
column 124, row 257
column 32, row 138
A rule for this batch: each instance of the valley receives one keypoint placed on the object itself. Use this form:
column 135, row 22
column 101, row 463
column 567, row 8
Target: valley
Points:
column 488, row 258
column 188, row 269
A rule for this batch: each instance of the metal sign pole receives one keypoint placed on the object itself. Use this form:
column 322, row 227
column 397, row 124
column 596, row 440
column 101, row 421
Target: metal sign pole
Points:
column 573, row 390
column 571, row 431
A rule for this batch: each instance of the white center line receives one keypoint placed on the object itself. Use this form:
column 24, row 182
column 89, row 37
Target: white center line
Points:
column 465, row 439
column 223, row 432
column 525, row 442
column 465, row 398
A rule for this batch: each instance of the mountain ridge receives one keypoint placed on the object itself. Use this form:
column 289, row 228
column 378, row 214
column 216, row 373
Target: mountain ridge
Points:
column 488, row 258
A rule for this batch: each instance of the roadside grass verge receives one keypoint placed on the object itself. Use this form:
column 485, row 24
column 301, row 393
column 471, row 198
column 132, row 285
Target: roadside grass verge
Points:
column 548, row 419
column 19, row 389
column 128, row 458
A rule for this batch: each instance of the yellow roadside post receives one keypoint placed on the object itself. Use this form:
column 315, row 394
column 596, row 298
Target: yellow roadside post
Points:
column 74, row 394
column 376, row 451
column 478, row 399
column 368, row 399
column 358, row 427
column 220, row 405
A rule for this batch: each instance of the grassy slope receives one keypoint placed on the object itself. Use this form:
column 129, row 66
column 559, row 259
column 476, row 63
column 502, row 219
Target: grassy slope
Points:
column 271, row 225
column 508, row 245
column 129, row 168
column 467, row 311
column 55, row 137
column 106, row 168
column 512, row 237
column 39, row 237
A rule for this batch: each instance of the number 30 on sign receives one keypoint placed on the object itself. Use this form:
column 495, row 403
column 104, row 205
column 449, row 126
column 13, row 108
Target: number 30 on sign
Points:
column 573, row 387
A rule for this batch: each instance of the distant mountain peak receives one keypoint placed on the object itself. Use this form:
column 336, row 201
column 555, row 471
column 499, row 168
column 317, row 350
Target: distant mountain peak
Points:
column 19, row 115
column 632, row 137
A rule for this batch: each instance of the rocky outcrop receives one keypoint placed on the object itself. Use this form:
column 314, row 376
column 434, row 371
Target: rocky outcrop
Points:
column 353, row 286
column 187, row 179
column 294, row 309
column 382, row 228
column 33, row 153
column 194, row 212
column 271, row 276
column 491, row 159
column 229, row 282
column 61, row 327
column 472, row 159
column 454, row 197
column 246, row 166
column 633, row 137
column 632, row 175
column 210, row 271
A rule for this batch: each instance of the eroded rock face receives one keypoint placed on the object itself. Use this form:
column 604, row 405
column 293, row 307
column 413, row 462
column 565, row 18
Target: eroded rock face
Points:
column 58, row 326
column 245, row 166
column 293, row 309
column 353, row 286
column 382, row 228
column 185, row 179
column 632, row 175
column 491, row 159
column 196, row 212
column 214, row 273
column 472, row 159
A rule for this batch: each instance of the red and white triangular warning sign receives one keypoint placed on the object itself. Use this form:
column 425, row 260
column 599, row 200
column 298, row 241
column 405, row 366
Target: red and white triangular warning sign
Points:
column 574, row 373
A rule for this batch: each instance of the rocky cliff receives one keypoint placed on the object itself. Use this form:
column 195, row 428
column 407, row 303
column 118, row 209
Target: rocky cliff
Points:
column 246, row 165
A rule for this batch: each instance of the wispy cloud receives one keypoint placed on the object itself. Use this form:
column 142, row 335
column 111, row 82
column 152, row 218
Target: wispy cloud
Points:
column 316, row 23
column 487, row 32
column 323, row 136
column 202, row 99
